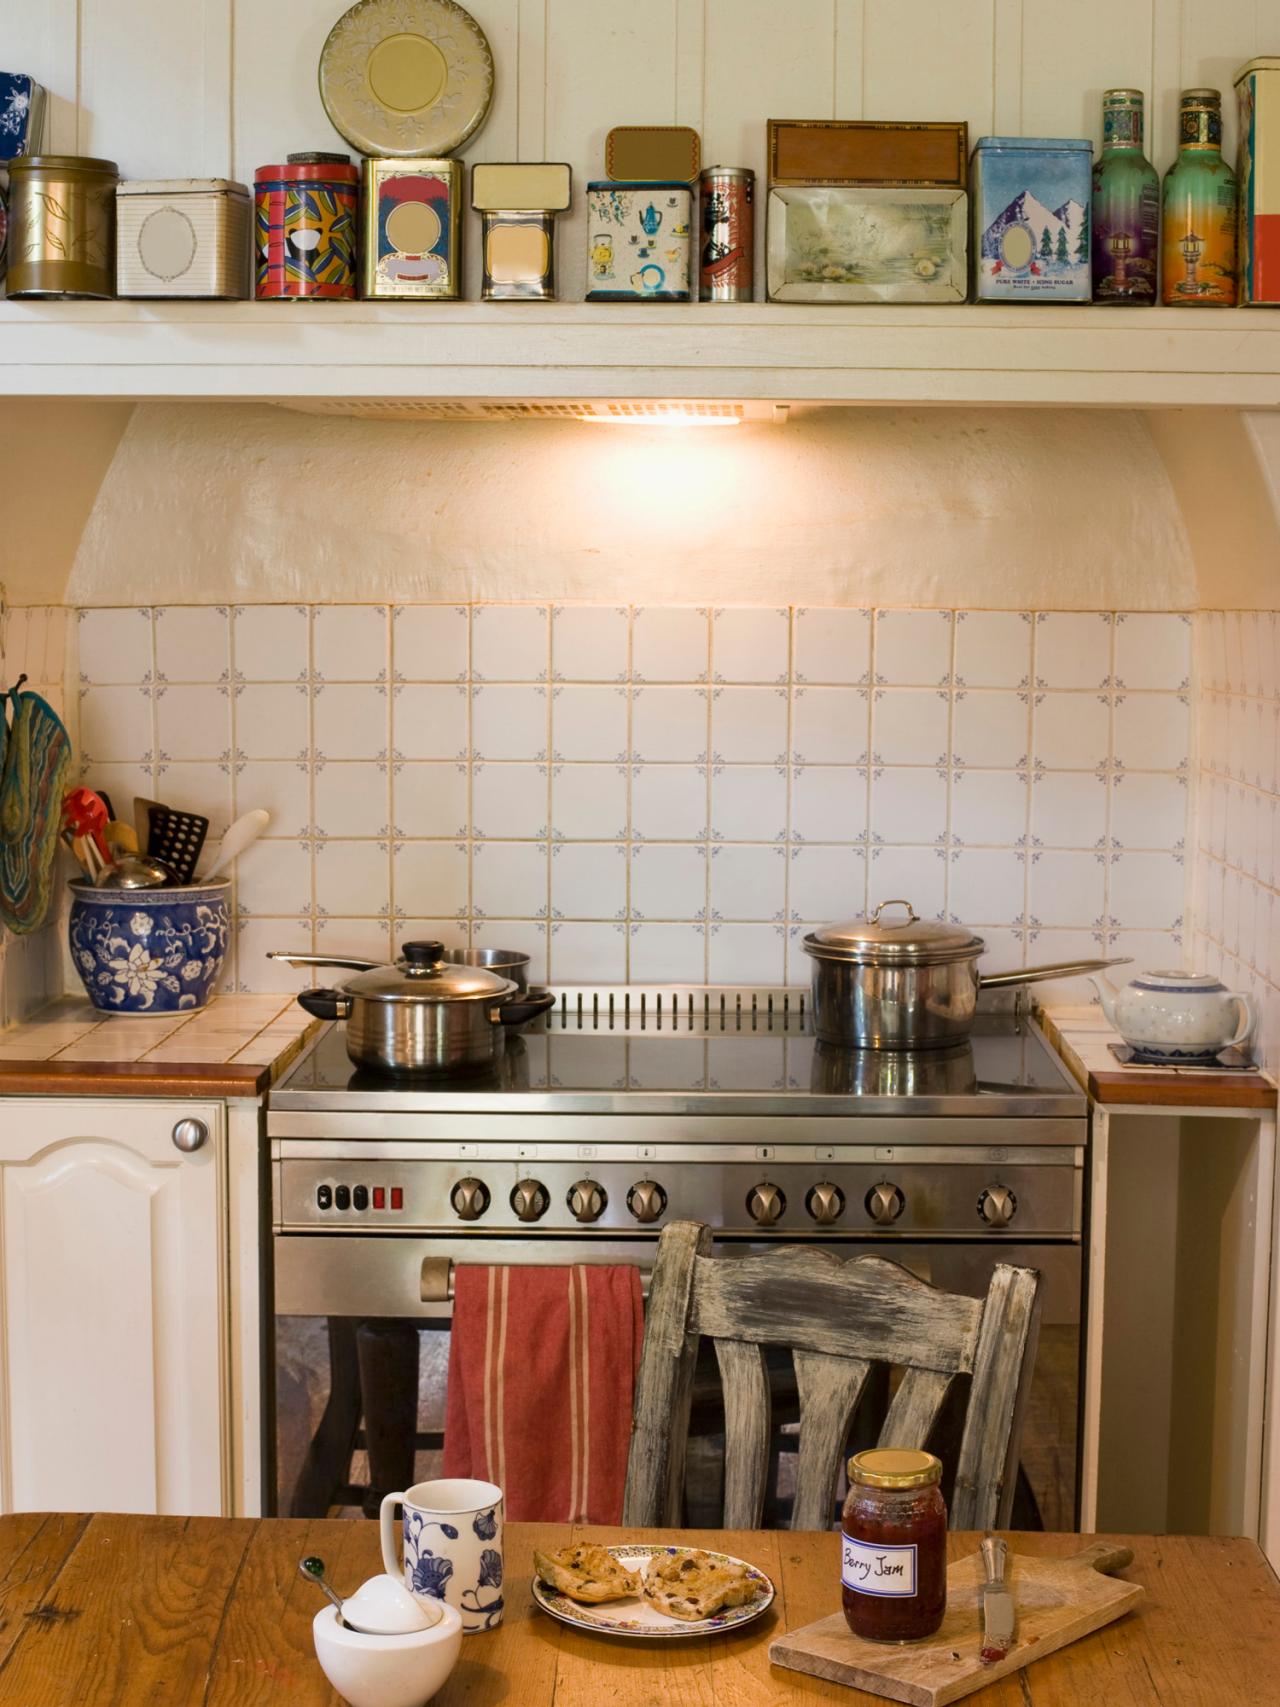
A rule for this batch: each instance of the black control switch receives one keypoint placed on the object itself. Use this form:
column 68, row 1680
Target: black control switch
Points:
column 360, row 1197
column 342, row 1197
column 324, row 1197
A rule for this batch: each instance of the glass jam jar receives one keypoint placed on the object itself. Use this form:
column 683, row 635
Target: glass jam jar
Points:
column 894, row 1546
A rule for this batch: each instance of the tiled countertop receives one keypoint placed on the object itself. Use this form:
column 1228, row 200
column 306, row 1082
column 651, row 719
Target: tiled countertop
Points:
column 237, row 1046
column 1082, row 1037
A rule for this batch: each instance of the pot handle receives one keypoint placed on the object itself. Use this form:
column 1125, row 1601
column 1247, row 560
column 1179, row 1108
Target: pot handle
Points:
column 1248, row 1021
column 1038, row 974
column 517, row 1013
column 325, row 1004
column 350, row 964
column 873, row 918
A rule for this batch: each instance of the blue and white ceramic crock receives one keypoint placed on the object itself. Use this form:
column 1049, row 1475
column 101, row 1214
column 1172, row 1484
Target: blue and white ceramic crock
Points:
column 150, row 951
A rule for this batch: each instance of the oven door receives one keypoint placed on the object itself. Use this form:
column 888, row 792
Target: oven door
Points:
column 361, row 1352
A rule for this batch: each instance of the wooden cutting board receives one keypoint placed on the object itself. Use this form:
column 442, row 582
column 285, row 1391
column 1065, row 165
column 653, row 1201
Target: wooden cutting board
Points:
column 1057, row 1600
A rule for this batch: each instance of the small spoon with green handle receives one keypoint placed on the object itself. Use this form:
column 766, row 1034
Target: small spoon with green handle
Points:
column 312, row 1569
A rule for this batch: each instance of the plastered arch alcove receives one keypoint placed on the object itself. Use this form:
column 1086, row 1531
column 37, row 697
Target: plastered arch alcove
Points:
column 246, row 503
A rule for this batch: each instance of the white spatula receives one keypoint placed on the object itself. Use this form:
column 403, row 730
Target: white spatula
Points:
column 245, row 830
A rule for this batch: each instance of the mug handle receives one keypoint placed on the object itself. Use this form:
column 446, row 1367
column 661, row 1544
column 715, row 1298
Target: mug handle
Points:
column 391, row 1562
column 1248, row 1024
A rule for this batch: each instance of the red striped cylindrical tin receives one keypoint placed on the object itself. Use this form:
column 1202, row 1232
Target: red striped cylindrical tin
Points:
column 305, row 228
column 725, row 271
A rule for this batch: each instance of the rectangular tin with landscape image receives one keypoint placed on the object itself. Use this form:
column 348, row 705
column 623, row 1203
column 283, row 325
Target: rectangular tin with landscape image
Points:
column 1031, row 200
column 832, row 243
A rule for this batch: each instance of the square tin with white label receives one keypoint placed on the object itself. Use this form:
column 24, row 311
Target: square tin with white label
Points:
column 183, row 237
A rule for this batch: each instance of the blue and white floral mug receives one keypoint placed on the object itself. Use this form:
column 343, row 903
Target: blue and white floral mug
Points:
column 452, row 1546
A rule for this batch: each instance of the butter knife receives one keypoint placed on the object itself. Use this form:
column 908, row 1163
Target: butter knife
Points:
column 996, row 1601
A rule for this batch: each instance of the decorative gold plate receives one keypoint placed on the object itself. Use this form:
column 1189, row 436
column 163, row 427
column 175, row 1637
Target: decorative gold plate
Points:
column 405, row 77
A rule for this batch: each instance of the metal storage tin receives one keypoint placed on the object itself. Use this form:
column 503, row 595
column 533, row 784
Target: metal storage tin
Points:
column 182, row 237
column 1258, row 91
column 412, row 230
column 517, row 204
column 22, row 102
column 727, row 241
column 62, row 226
column 638, row 242
column 304, row 227
column 1030, row 197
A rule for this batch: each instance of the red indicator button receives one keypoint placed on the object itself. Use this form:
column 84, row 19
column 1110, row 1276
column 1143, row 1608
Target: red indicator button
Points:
column 397, row 1197
column 379, row 1197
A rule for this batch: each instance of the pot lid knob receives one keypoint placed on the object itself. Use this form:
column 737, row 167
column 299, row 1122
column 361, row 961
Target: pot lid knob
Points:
column 912, row 916
column 423, row 956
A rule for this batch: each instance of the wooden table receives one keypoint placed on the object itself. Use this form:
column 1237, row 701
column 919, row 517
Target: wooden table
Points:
column 205, row 1612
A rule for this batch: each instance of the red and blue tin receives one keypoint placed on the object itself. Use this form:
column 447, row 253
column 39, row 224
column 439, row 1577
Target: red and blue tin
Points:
column 305, row 228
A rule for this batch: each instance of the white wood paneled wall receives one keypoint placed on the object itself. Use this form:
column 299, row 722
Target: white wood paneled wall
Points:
column 219, row 87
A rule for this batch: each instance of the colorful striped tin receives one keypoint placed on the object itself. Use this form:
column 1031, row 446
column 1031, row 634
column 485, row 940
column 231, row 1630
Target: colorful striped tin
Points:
column 1258, row 90
column 304, row 227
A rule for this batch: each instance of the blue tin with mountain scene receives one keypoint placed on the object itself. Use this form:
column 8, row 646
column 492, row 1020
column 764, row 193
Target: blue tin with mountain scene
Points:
column 1030, row 200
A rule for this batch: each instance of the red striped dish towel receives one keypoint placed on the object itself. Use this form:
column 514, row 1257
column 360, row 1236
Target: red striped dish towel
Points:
column 542, row 1368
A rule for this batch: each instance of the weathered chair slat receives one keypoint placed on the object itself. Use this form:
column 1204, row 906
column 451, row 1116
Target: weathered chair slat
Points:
column 864, row 1308
column 744, row 1377
column 828, row 1389
column 914, row 1408
column 1002, row 1364
column 664, row 1384
column 839, row 1318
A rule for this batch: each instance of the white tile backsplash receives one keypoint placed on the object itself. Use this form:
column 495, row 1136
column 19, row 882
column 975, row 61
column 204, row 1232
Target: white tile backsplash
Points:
column 650, row 793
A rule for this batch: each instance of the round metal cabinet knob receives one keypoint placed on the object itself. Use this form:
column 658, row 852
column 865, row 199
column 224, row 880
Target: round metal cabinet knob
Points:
column 529, row 1199
column 189, row 1135
column 885, row 1202
column 470, row 1199
column 825, row 1202
column 997, row 1205
column 765, row 1203
column 646, row 1200
column 587, row 1200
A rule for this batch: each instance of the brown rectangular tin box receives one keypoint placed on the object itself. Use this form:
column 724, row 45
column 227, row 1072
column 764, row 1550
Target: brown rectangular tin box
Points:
column 868, row 151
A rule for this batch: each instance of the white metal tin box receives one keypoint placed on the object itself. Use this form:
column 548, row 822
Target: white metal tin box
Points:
column 183, row 237
column 639, row 242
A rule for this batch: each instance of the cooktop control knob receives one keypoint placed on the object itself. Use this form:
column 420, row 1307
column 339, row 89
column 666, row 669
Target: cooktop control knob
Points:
column 885, row 1202
column 765, row 1203
column 997, row 1205
column 825, row 1202
column 587, row 1200
column 470, row 1199
column 646, row 1200
column 529, row 1199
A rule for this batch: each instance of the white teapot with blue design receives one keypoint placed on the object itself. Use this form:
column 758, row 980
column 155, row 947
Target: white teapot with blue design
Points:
column 1177, row 1018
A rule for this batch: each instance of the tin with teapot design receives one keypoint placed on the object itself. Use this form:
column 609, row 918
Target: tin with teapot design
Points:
column 639, row 242
column 305, row 228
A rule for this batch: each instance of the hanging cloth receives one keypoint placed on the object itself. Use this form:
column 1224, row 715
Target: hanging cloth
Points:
column 35, row 757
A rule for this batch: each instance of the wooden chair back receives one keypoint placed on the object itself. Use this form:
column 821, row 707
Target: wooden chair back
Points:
column 839, row 1317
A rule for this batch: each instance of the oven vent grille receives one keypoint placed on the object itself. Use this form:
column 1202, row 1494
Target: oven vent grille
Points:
column 461, row 409
column 690, row 1011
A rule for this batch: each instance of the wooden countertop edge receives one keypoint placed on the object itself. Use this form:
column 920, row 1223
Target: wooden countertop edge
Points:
column 134, row 1078
column 1161, row 1089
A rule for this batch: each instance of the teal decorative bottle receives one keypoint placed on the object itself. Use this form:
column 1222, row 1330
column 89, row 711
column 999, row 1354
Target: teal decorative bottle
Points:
column 1126, row 206
column 1198, row 214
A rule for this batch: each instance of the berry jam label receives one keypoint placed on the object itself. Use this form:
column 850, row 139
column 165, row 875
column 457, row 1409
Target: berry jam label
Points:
column 868, row 1569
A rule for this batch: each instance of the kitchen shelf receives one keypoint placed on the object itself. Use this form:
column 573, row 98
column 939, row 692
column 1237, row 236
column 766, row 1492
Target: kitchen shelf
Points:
column 1074, row 357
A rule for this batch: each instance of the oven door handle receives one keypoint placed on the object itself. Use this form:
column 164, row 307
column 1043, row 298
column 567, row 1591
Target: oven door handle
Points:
column 435, row 1280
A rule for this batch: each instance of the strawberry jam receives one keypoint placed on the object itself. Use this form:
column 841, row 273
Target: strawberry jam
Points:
column 894, row 1546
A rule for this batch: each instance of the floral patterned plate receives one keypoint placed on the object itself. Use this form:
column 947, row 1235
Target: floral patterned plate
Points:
column 637, row 1617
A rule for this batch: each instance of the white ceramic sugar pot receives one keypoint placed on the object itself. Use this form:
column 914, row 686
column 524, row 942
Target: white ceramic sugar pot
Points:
column 1177, row 1018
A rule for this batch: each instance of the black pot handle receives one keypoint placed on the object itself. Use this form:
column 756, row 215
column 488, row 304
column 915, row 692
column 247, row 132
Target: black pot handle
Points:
column 325, row 1004
column 520, row 1013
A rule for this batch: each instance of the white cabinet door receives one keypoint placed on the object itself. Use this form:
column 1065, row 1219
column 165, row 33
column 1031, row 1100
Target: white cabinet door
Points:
column 113, row 1269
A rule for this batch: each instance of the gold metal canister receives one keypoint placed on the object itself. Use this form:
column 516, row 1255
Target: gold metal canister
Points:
column 62, row 226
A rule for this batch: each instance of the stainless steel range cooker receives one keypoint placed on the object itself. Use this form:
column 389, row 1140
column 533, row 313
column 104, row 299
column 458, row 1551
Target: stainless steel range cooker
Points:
column 624, row 1108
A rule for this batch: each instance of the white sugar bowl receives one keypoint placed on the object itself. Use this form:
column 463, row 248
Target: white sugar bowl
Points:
column 1181, row 1018
column 387, row 1671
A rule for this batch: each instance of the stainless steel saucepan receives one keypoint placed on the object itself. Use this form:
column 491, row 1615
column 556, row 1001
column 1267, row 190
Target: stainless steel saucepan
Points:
column 424, row 1015
column 908, row 982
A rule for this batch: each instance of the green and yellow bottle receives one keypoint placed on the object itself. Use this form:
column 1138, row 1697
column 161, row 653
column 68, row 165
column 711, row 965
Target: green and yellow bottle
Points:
column 1126, row 206
column 1198, row 249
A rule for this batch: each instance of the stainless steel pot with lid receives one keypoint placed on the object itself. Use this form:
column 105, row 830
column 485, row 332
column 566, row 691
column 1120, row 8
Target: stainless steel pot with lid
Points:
column 905, row 982
column 424, row 1014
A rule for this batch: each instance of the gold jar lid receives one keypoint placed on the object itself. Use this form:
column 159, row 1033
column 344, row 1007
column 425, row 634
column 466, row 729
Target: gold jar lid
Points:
column 884, row 1468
